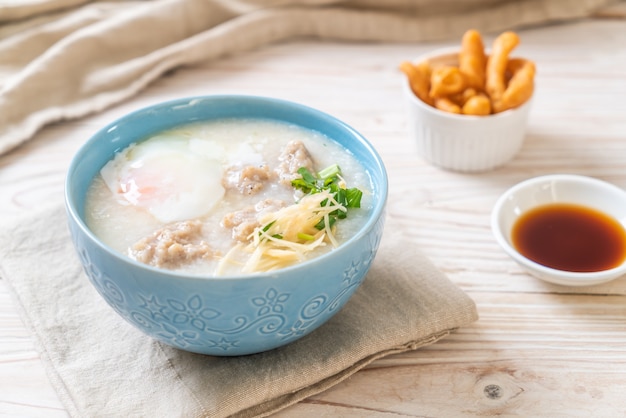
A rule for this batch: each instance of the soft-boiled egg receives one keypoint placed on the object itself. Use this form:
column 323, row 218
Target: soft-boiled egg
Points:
column 172, row 178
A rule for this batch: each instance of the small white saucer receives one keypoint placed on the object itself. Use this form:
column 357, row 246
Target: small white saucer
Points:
column 558, row 188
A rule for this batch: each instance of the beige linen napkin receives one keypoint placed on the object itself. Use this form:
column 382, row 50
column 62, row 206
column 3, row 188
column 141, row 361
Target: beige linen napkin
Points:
column 102, row 366
column 63, row 59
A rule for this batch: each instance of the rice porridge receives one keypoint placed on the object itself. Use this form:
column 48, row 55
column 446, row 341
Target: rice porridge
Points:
column 229, row 197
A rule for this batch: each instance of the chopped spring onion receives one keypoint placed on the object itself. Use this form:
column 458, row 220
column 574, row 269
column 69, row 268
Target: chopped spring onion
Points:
column 286, row 236
column 329, row 179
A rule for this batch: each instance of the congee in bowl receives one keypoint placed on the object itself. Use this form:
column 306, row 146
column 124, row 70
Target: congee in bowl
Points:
column 224, row 197
column 226, row 225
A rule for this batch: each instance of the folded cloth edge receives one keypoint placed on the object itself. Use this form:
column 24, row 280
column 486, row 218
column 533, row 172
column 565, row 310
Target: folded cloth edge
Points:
column 274, row 405
column 51, row 372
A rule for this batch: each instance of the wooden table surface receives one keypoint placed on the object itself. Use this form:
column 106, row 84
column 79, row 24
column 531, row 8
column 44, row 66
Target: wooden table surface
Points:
column 538, row 350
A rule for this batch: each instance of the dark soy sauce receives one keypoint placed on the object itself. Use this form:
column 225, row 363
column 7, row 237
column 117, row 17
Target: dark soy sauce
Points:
column 570, row 237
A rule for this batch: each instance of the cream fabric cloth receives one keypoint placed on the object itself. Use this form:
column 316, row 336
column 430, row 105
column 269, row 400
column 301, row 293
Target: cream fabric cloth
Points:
column 102, row 366
column 62, row 59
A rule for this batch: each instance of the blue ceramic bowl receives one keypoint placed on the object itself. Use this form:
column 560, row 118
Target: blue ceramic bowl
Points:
column 232, row 315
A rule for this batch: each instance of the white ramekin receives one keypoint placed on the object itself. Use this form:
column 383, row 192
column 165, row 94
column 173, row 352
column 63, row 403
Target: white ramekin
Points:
column 463, row 142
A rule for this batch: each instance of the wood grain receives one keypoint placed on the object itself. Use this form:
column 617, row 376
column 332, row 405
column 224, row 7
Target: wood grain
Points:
column 538, row 349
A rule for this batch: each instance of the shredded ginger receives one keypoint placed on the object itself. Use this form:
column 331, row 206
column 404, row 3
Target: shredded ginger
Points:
column 289, row 234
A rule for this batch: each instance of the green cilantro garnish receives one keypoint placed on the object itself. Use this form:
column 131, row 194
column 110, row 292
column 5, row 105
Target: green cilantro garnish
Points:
column 329, row 179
